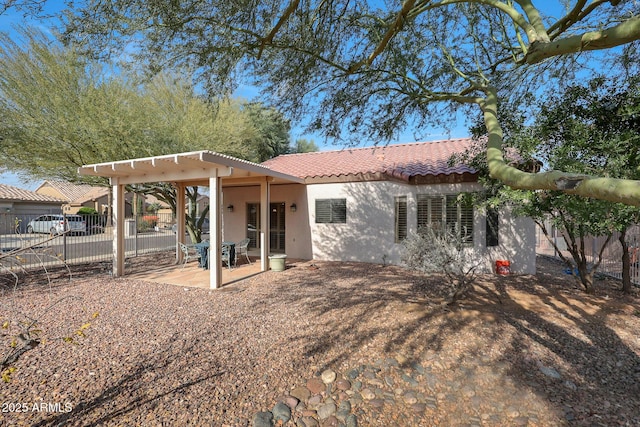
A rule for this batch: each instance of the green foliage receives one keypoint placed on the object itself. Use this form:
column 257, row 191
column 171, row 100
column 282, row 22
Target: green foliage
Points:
column 371, row 69
column 87, row 211
column 70, row 111
column 593, row 129
column 304, row 146
column 272, row 132
column 361, row 69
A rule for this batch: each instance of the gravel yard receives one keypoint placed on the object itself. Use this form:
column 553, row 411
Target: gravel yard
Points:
column 520, row 350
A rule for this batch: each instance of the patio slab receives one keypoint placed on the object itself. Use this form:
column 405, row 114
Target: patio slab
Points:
column 193, row 276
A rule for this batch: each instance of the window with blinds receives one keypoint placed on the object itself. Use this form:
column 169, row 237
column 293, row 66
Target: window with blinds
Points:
column 401, row 218
column 446, row 213
column 331, row 211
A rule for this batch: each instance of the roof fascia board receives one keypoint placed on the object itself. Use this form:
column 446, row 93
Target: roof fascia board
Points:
column 174, row 176
column 202, row 161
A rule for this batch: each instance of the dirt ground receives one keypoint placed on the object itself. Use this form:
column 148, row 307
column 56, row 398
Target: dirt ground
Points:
column 519, row 350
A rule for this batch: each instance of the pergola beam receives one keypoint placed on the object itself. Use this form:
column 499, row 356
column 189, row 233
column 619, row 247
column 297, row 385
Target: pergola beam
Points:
column 199, row 168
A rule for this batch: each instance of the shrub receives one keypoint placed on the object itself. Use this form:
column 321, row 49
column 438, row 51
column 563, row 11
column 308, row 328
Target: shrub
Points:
column 85, row 210
column 147, row 222
column 441, row 251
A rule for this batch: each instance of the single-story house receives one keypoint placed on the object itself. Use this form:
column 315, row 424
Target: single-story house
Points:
column 24, row 204
column 359, row 204
column 76, row 196
column 351, row 204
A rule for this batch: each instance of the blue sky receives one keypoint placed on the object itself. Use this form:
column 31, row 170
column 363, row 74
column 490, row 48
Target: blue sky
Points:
column 248, row 92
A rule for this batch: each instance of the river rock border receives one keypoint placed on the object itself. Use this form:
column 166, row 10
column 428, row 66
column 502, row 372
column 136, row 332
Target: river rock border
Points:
column 342, row 399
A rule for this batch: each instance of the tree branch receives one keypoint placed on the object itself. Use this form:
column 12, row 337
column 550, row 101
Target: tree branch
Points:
column 391, row 32
column 287, row 13
column 612, row 189
column 515, row 16
column 620, row 34
column 576, row 15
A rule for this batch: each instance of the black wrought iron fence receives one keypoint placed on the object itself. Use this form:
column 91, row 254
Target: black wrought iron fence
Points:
column 31, row 240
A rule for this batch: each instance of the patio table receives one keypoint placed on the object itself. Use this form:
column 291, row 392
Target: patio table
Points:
column 203, row 250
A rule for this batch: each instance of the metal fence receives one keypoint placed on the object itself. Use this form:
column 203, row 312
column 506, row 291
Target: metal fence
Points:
column 30, row 240
column 611, row 264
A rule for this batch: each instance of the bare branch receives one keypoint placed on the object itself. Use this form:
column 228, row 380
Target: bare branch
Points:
column 391, row 32
column 287, row 13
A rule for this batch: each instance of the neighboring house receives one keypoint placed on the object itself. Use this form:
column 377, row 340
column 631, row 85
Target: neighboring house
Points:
column 77, row 196
column 201, row 203
column 24, row 205
column 358, row 204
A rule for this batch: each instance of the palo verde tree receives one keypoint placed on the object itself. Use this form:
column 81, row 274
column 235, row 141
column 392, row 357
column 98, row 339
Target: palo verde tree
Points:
column 586, row 129
column 365, row 68
column 591, row 129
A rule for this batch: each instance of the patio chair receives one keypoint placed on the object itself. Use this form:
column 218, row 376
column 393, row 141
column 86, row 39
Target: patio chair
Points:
column 242, row 248
column 226, row 255
column 188, row 253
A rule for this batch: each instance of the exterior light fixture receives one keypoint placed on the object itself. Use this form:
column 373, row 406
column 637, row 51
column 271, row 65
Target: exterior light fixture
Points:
column 293, row 207
column 230, row 208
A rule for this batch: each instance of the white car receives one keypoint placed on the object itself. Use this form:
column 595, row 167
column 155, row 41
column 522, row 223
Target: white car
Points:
column 56, row 224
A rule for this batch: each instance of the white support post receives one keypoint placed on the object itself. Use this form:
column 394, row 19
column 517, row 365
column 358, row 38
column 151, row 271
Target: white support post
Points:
column 215, row 232
column 265, row 226
column 118, row 230
column 180, row 220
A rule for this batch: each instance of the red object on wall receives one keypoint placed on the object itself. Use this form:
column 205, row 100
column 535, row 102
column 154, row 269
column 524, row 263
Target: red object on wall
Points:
column 503, row 267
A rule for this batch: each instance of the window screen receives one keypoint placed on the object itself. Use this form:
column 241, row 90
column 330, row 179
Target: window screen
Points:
column 331, row 211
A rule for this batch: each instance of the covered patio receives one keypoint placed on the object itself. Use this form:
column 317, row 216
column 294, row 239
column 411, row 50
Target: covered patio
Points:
column 192, row 276
column 198, row 168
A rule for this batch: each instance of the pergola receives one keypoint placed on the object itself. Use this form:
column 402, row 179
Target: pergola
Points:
column 197, row 168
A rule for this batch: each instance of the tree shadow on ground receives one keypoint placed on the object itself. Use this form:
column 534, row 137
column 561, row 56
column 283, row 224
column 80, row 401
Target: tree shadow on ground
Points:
column 540, row 326
column 139, row 386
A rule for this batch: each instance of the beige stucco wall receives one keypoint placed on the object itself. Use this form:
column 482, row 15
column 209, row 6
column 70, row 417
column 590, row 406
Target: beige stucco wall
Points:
column 297, row 237
column 369, row 234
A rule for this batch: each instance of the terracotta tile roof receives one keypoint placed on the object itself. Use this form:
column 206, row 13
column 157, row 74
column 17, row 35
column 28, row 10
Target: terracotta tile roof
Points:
column 399, row 161
column 76, row 192
column 15, row 194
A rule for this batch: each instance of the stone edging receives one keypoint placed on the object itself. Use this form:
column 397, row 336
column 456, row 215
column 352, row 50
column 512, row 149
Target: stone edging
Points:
column 341, row 399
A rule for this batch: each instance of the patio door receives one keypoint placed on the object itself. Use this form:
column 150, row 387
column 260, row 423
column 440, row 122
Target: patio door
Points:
column 276, row 231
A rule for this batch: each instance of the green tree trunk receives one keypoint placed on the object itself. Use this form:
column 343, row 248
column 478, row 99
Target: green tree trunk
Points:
column 625, row 191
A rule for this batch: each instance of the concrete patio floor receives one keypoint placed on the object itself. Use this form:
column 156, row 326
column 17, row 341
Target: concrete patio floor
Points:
column 193, row 276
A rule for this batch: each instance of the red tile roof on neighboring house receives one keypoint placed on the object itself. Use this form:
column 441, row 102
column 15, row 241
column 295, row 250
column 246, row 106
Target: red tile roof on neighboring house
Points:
column 15, row 194
column 400, row 161
column 76, row 192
